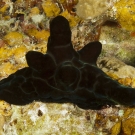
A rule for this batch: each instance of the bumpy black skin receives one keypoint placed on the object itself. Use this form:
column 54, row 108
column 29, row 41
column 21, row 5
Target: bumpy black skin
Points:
column 64, row 75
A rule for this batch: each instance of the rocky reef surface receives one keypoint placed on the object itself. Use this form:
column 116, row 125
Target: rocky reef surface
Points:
column 24, row 26
column 51, row 118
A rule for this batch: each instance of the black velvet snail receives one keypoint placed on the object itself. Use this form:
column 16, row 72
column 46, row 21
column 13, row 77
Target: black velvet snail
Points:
column 63, row 75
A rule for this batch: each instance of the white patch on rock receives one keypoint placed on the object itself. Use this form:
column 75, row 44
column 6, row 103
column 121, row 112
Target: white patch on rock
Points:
column 33, row 113
column 37, row 18
column 64, row 112
column 6, row 22
column 121, row 113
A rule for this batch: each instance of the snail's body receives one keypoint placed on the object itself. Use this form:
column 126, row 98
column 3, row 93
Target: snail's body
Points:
column 64, row 75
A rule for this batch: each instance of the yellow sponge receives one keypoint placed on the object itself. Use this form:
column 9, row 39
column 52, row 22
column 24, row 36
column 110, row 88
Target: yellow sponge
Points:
column 50, row 8
column 39, row 35
column 125, row 14
column 13, row 38
column 73, row 20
